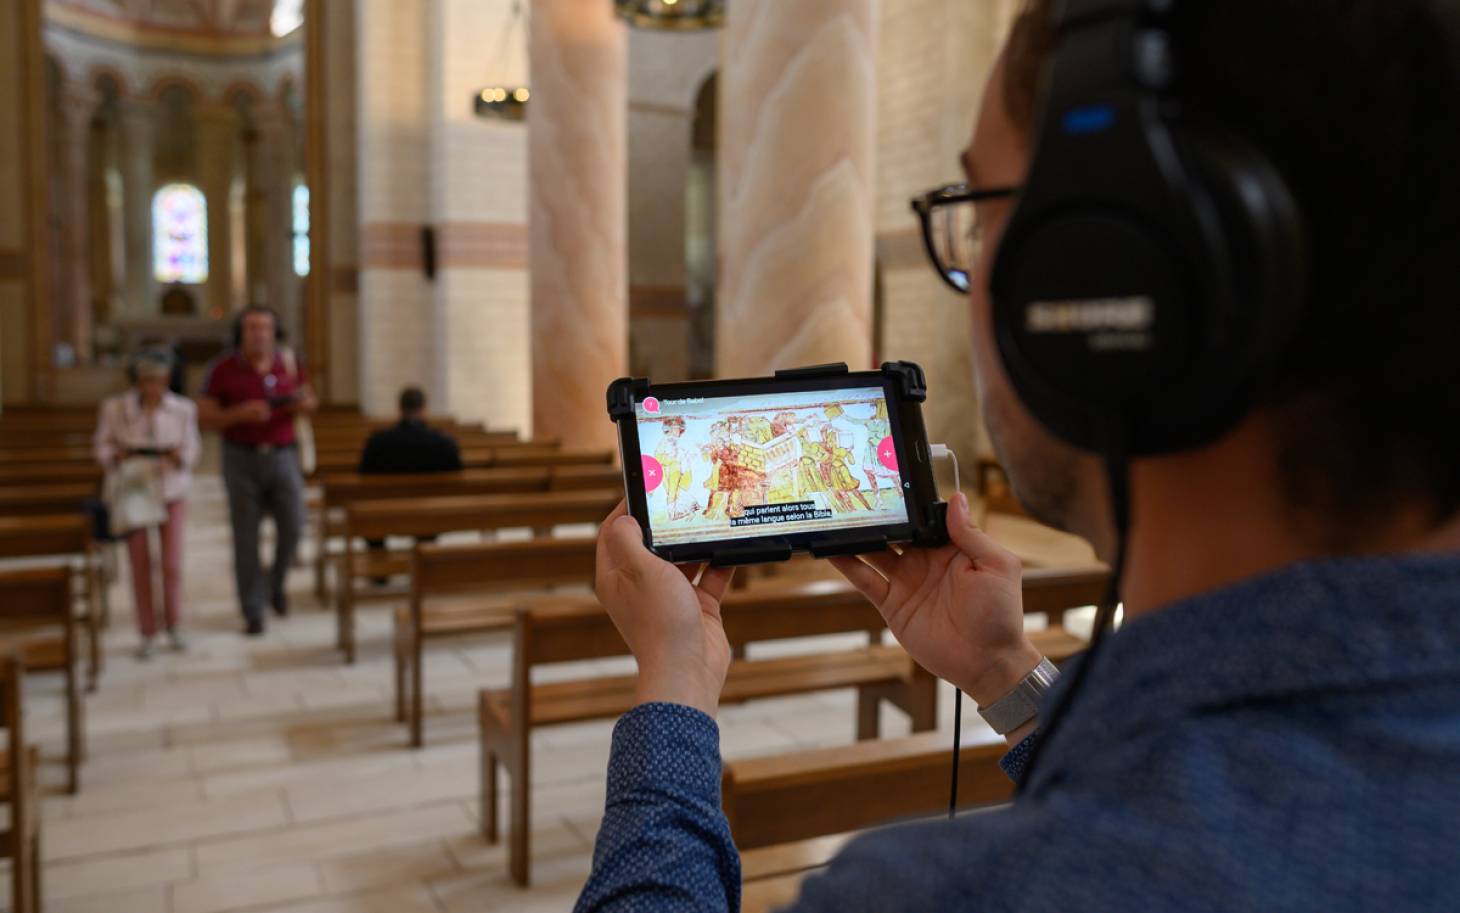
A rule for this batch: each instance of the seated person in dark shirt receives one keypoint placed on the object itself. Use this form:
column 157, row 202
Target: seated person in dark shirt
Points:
column 410, row 446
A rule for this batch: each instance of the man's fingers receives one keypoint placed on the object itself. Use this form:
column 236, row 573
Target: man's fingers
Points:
column 716, row 581
column 885, row 562
column 871, row 584
column 974, row 542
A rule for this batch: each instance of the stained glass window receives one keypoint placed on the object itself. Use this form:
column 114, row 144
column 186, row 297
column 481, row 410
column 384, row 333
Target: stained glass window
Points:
column 288, row 15
column 180, row 234
column 301, row 230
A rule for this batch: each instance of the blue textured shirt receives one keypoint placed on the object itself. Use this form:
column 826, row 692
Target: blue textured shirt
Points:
column 1291, row 742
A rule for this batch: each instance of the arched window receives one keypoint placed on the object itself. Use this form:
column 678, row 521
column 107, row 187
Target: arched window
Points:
column 301, row 229
column 180, row 234
column 287, row 16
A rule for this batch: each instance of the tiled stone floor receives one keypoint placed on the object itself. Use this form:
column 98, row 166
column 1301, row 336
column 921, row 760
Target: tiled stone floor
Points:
column 265, row 775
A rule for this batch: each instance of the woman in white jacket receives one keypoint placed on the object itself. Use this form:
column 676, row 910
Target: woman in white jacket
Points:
column 149, row 423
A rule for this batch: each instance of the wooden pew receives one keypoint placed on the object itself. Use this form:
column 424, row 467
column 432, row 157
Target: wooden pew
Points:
column 342, row 489
column 21, row 842
column 486, row 573
column 31, row 474
column 32, row 500
column 36, row 616
column 423, row 517
column 790, row 813
column 574, row 630
column 46, row 456
column 792, row 797
column 484, row 457
column 65, row 538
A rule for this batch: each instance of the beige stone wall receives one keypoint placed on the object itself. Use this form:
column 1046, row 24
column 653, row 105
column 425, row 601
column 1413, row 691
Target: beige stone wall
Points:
column 482, row 339
column 934, row 56
column 394, row 142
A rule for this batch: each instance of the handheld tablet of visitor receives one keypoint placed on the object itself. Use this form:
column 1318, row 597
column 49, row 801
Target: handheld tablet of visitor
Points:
column 820, row 460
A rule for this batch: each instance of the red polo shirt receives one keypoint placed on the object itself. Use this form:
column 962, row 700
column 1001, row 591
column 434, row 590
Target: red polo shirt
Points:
column 232, row 380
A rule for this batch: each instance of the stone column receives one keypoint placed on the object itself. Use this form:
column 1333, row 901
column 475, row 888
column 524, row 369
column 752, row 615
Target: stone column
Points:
column 798, row 93
column 276, row 182
column 578, row 202
column 139, row 183
column 72, row 305
column 218, row 132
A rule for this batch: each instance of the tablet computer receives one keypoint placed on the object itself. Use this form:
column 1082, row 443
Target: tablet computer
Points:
column 821, row 460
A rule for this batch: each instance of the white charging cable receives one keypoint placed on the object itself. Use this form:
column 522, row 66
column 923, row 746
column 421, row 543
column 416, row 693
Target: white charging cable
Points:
column 942, row 451
column 938, row 452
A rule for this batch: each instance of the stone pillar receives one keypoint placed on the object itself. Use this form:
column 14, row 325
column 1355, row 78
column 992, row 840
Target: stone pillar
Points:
column 396, row 326
column 577, row 192
column 24, row 276
column 798, row 91
column 72, row 304
column 218, row 132
column 139, row 183
column 483, row 340
column 275, row 183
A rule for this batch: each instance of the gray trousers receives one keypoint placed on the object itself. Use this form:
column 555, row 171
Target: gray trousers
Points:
column 260, row 482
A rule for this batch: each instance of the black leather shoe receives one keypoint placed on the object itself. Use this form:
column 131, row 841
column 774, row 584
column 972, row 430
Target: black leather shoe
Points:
column 254, row 627
column 281, row 604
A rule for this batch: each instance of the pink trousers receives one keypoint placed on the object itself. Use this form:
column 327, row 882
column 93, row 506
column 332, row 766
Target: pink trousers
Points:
column 139, row 552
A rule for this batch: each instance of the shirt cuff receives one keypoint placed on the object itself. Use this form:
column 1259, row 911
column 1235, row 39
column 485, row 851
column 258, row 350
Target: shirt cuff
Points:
column 665, row 748
column 1017, row 760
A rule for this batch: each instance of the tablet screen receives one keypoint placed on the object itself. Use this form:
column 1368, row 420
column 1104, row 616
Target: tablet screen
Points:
column 738, row 467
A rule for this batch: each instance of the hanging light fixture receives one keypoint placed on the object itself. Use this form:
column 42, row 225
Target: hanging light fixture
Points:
column 672, row 15
column 505, row 100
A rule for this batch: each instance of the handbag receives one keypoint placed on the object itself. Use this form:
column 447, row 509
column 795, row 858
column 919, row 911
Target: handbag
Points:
column 303, row 430
column 133, row 495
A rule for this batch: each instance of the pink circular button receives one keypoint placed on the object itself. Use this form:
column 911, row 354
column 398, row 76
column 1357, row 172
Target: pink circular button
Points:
column 651, row 405
column 653, row 473
column 887, row 453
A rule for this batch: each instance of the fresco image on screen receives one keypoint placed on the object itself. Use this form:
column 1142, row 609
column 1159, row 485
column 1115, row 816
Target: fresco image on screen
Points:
column 740, row 467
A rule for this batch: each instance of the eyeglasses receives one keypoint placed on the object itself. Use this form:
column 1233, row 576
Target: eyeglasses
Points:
column 951, row 230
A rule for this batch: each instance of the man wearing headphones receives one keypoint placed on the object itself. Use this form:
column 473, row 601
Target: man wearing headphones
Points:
column 252, row 395
column 1216, row 308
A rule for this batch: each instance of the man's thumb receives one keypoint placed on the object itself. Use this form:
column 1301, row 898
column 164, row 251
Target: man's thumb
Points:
column 624, row 542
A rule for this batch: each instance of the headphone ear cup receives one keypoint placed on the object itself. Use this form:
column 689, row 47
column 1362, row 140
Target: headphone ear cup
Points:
column 1266, row 238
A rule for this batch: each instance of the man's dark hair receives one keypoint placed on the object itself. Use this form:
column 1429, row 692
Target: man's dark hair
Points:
column 1358, row 105
column 412, row 401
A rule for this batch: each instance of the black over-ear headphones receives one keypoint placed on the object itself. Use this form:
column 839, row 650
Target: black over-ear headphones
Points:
column 256, row 309
column 1155, row 265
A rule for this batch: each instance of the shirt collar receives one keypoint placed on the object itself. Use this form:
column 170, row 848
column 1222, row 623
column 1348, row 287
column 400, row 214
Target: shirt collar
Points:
column 1313, row 627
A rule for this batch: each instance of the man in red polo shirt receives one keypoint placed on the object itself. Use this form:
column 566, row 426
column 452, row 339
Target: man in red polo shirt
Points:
column 252, row 396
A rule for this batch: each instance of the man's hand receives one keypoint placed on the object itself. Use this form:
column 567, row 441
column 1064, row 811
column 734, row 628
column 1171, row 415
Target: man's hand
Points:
column 671, row 624
column 254, row 411
column 957, row 610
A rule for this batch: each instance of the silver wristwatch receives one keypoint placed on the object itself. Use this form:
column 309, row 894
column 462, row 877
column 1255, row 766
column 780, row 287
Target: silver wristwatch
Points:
column 1022, row 704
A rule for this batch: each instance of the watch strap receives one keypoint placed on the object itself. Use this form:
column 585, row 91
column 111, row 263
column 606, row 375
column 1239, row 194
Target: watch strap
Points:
column 1022, row 704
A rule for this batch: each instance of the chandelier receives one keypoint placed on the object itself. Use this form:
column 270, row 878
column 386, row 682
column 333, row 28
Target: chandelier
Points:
column 505, row 100
column 672, row 15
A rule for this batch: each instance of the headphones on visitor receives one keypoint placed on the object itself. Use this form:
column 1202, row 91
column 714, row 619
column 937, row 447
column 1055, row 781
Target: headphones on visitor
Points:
column 256, row 309
column 1155, row 265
